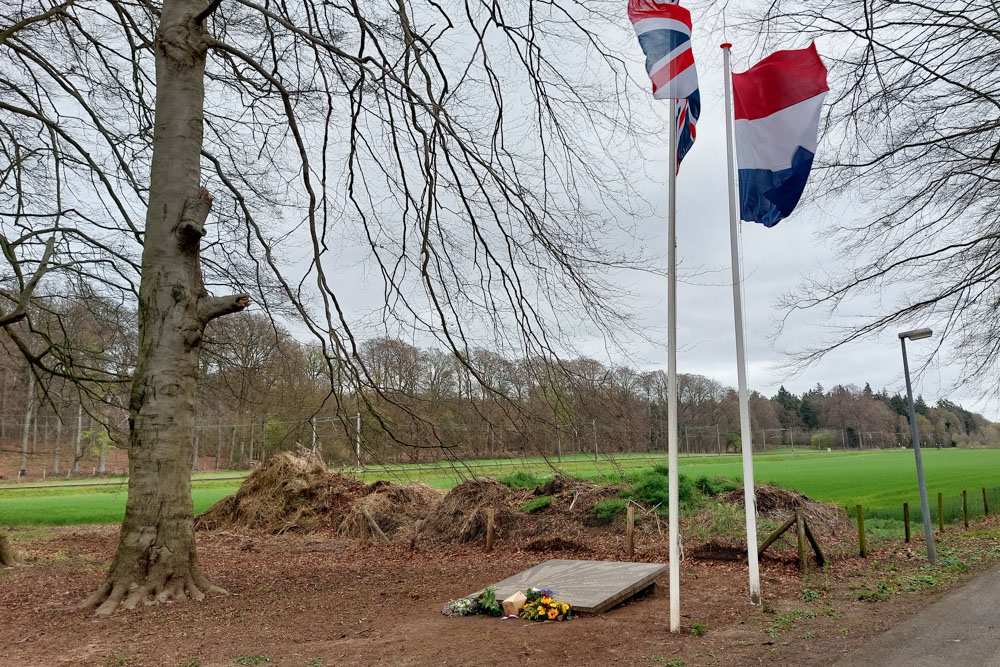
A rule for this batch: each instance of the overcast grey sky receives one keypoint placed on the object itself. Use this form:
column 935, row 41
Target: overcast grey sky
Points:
column 774, row 261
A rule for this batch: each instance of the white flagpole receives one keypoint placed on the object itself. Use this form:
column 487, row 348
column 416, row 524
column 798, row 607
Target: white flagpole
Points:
column 746, row 442
column 673, row 500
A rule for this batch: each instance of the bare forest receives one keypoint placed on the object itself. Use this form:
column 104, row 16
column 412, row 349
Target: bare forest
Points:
column 262, row 391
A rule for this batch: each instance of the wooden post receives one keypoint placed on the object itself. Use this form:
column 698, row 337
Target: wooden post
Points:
column 630, row 531
column 862, row 541
column 490, row 519
column 363, row 529
column 941, row 512
column 775, row 535
column 800, row 530
column 986, row 504
column 965, row 507
column 906, row 519
column 820, row 558
column 375, row 528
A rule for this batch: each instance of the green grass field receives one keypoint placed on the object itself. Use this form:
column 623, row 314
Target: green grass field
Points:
column 879, row 480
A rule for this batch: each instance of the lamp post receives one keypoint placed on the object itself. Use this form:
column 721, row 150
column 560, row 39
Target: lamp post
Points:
column 925, row 510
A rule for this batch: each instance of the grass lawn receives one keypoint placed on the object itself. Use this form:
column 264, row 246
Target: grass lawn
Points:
column 879, row 480
column 66, row 507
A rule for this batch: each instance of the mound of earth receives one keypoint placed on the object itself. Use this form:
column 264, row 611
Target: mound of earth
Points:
column 776, row 503
column 288, row 492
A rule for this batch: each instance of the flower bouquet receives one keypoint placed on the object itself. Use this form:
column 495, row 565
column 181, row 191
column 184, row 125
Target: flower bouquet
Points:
column 484, row 602
column 541, row 606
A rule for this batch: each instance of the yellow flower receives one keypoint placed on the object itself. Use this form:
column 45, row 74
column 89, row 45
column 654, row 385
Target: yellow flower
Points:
column 565, row 607
column 553, row 613
column 546, row 600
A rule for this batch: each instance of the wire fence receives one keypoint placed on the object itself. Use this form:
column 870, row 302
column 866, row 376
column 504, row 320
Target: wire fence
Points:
column 945, row 511
column 49, row 446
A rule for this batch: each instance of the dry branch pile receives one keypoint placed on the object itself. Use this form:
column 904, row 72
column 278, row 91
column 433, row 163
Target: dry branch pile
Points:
column 398, row 510
column 295, row 492
column 289, row 491
column 462, row 515
column 776, row 503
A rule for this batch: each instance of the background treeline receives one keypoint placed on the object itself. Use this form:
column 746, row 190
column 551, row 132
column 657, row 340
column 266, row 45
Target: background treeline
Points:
column 262, row 390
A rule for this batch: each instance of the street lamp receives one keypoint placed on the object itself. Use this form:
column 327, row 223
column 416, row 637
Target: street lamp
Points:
column 925, row 510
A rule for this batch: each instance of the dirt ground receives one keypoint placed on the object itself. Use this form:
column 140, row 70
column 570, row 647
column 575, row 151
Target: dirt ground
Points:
column 323, row 600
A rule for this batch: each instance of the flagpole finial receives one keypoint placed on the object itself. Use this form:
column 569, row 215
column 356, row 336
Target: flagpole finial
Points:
column 726, row 45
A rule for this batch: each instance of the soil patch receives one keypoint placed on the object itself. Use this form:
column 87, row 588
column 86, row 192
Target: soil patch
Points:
column 718, row 550
column 298, row 599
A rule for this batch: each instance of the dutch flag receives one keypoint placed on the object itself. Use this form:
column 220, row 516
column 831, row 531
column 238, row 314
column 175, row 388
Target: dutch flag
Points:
column 664, row 32
column 777, row 107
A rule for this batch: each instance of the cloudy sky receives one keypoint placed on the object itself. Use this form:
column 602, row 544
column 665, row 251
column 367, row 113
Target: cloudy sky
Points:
column 774, row 261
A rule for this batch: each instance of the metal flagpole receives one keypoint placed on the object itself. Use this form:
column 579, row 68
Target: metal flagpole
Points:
column 674, row 531
column 746, row 442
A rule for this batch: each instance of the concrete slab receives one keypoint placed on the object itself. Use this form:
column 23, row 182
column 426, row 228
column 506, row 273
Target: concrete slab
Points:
column 591, row 586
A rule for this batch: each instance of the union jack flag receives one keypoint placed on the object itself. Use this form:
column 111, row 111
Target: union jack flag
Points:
column 664, row 32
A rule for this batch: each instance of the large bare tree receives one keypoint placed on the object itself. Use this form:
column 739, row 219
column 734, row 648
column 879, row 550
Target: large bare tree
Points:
column 912, row 152
column 472, row 155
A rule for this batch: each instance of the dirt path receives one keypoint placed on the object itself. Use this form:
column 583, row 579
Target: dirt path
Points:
column 312, row 600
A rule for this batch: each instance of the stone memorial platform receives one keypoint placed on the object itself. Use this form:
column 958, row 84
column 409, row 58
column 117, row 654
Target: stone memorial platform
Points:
column 591, row 586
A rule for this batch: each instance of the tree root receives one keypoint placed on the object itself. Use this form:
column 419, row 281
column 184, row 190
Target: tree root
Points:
column 157, row 588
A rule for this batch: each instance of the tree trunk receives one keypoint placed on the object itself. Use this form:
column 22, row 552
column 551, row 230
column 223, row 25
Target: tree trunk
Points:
column 194, row 455
column 34, row 434
column 58, row 445
column 28, row 413
column 7, row 556
column 3, row 410
column 249, row 464
column 78, row 444
column 156, row 559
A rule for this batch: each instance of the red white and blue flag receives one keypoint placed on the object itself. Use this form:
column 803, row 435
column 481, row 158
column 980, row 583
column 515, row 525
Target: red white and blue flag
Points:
column 664, row 32
column 777, row 103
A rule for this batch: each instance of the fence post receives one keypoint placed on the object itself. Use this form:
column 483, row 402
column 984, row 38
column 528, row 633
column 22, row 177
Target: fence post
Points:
column 965, row 507
column 490, row 518
column 800, row 530
column 986, row 505
column 906, row 519
column 941, row 512
column 862, row 542
column 630, row 531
